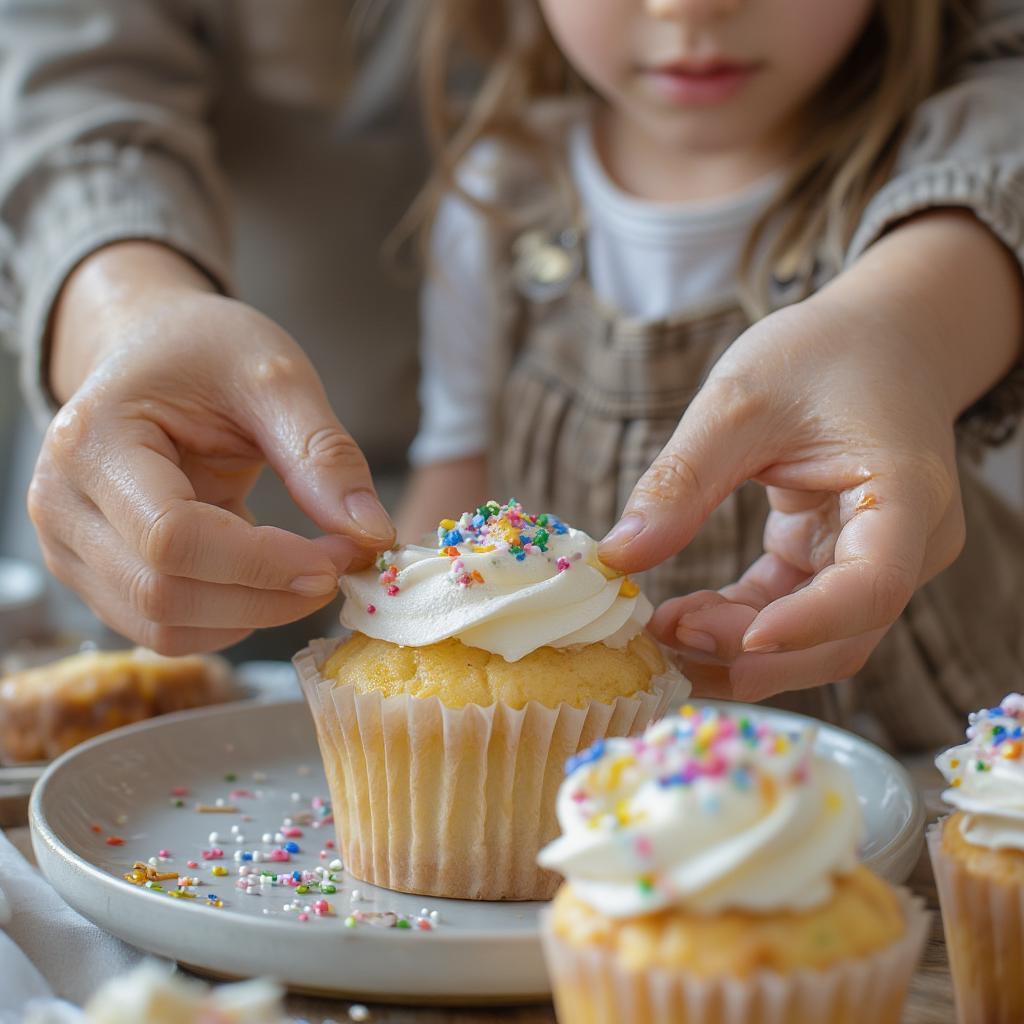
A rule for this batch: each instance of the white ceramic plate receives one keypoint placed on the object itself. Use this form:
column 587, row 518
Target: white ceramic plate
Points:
column 122, row 783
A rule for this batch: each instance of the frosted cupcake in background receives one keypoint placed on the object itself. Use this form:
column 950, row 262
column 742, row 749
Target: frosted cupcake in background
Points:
column 474, row 670
column 712, row 878
column 978, row 856
column 153, row 994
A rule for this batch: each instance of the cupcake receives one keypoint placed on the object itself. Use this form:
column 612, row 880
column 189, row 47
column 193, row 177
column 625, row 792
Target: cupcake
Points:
column 151, row 993
column 51, row 708
column 712, row 876
column 978, row 856
column 474, row 669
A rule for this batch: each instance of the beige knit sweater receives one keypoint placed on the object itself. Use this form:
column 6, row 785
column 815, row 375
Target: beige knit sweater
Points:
column 117, row 118
column 236, row 132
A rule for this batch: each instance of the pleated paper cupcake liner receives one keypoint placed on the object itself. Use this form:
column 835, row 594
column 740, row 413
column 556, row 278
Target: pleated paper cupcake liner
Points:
column 983, row 920
column 455, row 802
column 590, row 987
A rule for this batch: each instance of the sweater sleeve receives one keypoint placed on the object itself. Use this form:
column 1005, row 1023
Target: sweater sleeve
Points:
column 103, row 137
column 965, row 148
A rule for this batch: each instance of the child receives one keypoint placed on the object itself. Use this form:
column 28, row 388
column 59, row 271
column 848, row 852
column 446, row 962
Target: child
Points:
column 676, row 253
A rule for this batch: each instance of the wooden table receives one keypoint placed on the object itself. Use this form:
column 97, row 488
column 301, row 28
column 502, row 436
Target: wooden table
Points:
column 930, row 1001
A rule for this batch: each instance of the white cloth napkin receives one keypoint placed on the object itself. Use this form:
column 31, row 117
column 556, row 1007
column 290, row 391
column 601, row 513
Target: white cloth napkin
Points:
column 49, row 952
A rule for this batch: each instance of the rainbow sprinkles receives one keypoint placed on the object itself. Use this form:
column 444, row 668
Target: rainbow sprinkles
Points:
column 492, row 527
column 502, row 529
column 696, row 810
column 698, row 744
column 995, row 735
column 499, row 578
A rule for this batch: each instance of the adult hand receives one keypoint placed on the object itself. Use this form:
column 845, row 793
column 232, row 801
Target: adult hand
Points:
column 843, row 406
column 174, row 397
column 861, row 480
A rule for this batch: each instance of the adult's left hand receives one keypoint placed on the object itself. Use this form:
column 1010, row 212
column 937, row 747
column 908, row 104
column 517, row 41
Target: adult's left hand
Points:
column 843, row 406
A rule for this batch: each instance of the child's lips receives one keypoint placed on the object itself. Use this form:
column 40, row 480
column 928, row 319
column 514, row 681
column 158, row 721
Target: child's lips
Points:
column 699, row 83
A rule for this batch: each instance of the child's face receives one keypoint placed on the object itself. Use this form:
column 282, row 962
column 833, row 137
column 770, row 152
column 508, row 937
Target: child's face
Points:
column 707, row 74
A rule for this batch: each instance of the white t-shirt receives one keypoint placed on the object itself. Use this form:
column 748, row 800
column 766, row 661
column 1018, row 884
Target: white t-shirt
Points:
column 645, row 259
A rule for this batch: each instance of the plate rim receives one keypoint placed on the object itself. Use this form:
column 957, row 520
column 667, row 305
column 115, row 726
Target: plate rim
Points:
column 44, row 834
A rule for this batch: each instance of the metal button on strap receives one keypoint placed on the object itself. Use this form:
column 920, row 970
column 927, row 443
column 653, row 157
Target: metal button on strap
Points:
column 545, row 264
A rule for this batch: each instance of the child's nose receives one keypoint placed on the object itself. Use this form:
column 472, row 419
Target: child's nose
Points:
column 691, row 8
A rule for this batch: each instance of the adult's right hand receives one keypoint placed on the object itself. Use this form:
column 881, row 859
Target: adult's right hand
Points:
column 174, row 397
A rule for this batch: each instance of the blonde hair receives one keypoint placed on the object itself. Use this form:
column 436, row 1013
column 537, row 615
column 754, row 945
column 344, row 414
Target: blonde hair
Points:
column 858, row 117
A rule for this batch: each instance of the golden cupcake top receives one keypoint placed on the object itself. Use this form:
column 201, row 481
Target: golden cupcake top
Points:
column 458, row 675
column 501, row 579
column 864, row 915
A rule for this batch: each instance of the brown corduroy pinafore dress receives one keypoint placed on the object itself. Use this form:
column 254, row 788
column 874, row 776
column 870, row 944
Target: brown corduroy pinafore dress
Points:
column 589, row 398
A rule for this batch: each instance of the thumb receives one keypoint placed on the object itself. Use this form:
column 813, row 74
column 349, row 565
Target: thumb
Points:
column 718, row 444
column 319, row 461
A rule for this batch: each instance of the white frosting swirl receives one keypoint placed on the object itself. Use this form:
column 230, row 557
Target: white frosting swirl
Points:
column 553, row 598
column 708, row 813
column 986, row 776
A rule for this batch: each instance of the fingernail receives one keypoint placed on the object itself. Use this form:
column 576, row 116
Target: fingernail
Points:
column 753, row 646
column 624, row 530
column 314, row 586
column 368, row 514
column 697, row 640
column 689, row 619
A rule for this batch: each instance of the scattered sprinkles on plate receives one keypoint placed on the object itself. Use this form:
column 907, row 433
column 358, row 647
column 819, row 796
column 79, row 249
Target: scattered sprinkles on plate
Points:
column 272, row 863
